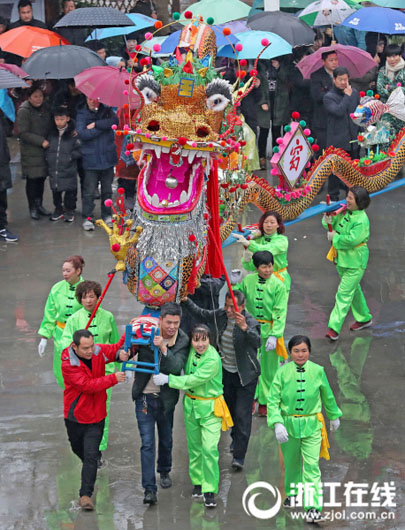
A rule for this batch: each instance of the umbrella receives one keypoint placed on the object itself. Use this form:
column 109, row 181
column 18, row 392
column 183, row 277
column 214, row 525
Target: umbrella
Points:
column 236, row 26
column 327, row 12
column 258, row 5
column 398, row 4
column 378, row 19
column 287, row 26
column 357, row 61
column 172, row 41
column 252, row 46
column 25, row 40
column 107, row 84
column 61, row 62
column 147, row 47
column 140, row 22
column 10, row 80
column 14, row 69
column 95, row 17
column 220, row 10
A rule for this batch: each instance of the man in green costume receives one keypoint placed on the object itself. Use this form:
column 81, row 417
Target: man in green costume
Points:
column 102, row 327
column 266, row 300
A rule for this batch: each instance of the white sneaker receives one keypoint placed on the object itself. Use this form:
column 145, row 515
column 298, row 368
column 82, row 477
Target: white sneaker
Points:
column 88, row 225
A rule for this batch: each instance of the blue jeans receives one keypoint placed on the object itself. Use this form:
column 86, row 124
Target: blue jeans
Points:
column 91, row 179
column 149, row 411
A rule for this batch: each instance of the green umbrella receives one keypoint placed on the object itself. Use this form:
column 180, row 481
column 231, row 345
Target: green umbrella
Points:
column 390, row 3
column 221, row 11
column 327, row 12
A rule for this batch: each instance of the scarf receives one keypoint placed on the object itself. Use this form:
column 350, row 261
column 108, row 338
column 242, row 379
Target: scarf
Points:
column 390, row 71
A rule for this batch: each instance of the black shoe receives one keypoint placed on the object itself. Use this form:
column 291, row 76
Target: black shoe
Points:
column 209, row 500
column 5, row 235
column 197, row 493
column 165, row 480
column 289, row 502
column 42, row 211
column 57, row 214
column 314, row 516
column 34, row 213
column 100, row 461
column 150, row 497
column 69, row 217
column 237, row 464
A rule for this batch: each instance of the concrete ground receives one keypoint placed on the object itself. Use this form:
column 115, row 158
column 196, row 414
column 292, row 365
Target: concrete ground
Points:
column 40, row 475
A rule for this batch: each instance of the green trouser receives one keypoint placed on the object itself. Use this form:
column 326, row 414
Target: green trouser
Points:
column 202, row 441
column 269, row 362
column 349, row 295
column 301, row 465
column 57, row 360
column 109, row 369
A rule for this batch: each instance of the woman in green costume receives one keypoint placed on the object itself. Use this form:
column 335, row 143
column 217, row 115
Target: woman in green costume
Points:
column 205, row 411
column 104, row 330
column 60, row 305
column 349, row 251
column 269, row 236
column 299, row 390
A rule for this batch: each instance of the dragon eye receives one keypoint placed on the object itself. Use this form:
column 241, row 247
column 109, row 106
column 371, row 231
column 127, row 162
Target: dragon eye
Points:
column 149, row 95
column 217, row 102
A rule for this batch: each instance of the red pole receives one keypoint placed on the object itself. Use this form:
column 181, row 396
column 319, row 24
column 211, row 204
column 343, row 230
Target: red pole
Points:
column 110, row 279
column 328, row 202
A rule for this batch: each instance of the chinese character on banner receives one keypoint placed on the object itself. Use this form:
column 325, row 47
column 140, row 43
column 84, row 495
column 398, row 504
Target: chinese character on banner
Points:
column 354, row 494
column 295, row 155
column 385, row 493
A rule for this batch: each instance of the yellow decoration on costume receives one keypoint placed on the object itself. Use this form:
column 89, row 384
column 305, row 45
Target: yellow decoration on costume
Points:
column 220, row 410
column 168, row 72
column 332, row 254
column 325, row 442
column 203, row 71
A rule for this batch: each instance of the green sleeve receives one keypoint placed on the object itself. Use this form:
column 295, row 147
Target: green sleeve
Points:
column 204, row 372
column 359, row 232
column 49, row 321
column 335, row 219
column 273, row 404
column 248, row 265
column 279, row 311
column 241, row 287
column 67, row 335
column 328, row 399
column 115, row 336
column 278, row 245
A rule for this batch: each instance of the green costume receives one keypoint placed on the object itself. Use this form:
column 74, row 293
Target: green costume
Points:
column 277, row 244
column 203, row 379
column 301, row 391
column 266, row 301
column 104, row 330
column 60, row 305
column 352, row 233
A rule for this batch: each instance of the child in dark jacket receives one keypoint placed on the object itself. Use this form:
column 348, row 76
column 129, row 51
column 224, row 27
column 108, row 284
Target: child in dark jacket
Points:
column 61, row 156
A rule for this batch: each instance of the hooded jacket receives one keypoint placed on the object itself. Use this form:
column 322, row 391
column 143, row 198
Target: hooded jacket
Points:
column 61, row 157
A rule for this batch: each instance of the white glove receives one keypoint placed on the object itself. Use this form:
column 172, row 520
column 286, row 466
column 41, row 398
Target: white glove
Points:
column 160, row 379
column 271, row 343
column 330, row 235
column 41, row 346
column 247, row 255
column 281, row 433
column 327, row 218
column 255, row 234
column 241, row 239
column 334, row 425
column 236, row 275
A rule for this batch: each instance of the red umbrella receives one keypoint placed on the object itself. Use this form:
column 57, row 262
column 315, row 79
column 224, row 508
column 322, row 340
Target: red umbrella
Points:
column 26, row 40
column 357, row 61
column 14, row 69
column 108, row 84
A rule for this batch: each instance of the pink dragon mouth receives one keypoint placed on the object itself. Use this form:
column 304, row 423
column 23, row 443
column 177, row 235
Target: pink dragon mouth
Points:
column 171, row 180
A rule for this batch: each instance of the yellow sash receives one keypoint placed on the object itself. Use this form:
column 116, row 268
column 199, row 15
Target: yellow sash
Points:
column 61, row 325
column 220, row 410
column 281, row 350
column 332, row 254
column 324, row 453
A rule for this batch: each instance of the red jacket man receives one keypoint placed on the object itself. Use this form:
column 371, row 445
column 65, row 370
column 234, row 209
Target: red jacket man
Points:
column 84, row 401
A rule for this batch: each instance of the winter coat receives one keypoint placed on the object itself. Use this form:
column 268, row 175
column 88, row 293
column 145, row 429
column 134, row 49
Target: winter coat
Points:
column 340, row 128
column 61, row 157
column 5, row 173
column 85, row 396
column 34, row 124
column 279, row 113
column 246, row 343
column 98, row 146
column 321, row 82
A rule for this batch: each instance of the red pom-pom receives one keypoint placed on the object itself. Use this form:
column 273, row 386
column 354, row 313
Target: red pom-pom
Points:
column 188, row 14
column 206, row 216
column 295, row 115
column 108, row 203
column 125, row 106
column 377, row 96
column 138, row 47
column 158, row 24
column 115, row 247
column 191, row 238
column 241, row 73
column 362, row 94
column 226, row 31
column 360, row 138
column 143, row 61
column 130, row 146
column 315, row 147
column 253, row 73
column 182, row 140
column 243, row 62
column 126, row 81
column 121, row 191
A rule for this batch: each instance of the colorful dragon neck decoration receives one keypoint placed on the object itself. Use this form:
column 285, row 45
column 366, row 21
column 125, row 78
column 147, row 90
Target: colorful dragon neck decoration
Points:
column 185, row 126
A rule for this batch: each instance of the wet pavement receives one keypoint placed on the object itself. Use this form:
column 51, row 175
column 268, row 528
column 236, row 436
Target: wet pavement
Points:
column 40, row 476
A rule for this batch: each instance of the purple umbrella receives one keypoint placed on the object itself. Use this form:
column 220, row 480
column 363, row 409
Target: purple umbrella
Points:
column 357, row 61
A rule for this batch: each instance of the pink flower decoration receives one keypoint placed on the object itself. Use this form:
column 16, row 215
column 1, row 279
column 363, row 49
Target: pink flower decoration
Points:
column 148, row 35
column 238, row 47
column 307, row 132
column 274, row 171
column 108, row 203
column 138, row 131
column 157, row 47
column 114, row 127
column 279, row 195
column 265, row 42
column 147, row 135
column 194, row 144
column 127, row 153
column 287, row 197
column 164, row 138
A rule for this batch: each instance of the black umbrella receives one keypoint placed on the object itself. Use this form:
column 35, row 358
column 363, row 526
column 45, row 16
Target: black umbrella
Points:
column 287, row 26
column 94, row 16
column 9, row 80
column 61, row 62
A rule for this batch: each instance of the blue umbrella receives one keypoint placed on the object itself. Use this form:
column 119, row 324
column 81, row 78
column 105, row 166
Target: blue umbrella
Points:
column 252, row 46
column 172, row 41
column 140, row 22
column 378, row 19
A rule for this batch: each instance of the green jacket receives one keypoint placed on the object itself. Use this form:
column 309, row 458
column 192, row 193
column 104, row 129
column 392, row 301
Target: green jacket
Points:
column 60, row 305
column 203, row 378
column 34, row 125
column 266, row 300
column 300, row 391
column 352, row 230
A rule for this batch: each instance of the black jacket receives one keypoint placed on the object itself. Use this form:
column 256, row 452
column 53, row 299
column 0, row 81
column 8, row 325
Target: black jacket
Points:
column 172, row 363
column 5, row 173
column 61, row 157
column 321, row 82
column 340, row 128
column 246, row 343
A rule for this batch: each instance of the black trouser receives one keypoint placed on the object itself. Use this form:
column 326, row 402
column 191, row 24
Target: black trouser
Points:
column 239, row 400
column 3, row 209
column 334, row 182
column 263, row 135
column 85, row 439
column 69, row 200
column 34, row 188
column 129, row 186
